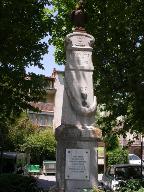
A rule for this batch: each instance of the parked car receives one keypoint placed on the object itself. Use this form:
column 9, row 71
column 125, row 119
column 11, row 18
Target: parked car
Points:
column 134, row 159
column 119, row 173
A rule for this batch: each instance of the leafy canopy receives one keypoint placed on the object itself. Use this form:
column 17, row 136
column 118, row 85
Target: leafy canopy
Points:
column 18, row 132
column 118, row 29
column 41, row 145
column 22, row 26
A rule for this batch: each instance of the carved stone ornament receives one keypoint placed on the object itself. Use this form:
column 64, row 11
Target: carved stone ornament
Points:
column 79, row 17
column 79, row 100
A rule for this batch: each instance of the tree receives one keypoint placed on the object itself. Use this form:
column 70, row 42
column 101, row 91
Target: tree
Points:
column 118, row 29
column 22, row 26
column 23, row 135
column 41, row 145
column 18, row 132
column 117, row 156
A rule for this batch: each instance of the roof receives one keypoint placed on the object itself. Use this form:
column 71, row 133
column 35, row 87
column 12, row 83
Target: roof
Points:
column 43, row 107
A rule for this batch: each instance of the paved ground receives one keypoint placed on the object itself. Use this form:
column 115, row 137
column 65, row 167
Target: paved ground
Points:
column 46, row 181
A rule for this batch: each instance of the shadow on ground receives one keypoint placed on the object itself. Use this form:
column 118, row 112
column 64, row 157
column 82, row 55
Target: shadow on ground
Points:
column 45, row 184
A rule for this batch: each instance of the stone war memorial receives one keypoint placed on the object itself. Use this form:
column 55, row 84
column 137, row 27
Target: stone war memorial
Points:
column 77, row 137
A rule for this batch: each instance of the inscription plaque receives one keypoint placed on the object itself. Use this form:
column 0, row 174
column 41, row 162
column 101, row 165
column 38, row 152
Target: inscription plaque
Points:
column 77, row 164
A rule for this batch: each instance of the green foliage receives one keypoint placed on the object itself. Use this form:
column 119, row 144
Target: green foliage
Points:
column 41, row 145
column 22, row 26
column 95, row 189
column 101, row 151
column 23, row 136
column 131, row 186
column 117, row 156
column 17, row 183
column 111, row 142
column 118, row 58
column 19, row 131
column 141, row 190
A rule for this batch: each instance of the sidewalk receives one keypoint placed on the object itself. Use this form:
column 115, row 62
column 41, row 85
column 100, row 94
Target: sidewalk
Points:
column 47, row 181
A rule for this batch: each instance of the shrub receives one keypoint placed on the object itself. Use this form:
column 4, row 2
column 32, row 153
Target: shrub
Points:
column 42, row 146
column 131, row 186
column 95, row 189
column 117, row 156
column 17, row 183
column 141, row 190
column 112, row 142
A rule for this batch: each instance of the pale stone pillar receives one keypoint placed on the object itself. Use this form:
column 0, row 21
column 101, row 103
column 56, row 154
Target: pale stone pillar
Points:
column 77, row 166
column 80, row 104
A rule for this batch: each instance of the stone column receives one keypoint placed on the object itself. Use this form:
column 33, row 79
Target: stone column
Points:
column 77, row 166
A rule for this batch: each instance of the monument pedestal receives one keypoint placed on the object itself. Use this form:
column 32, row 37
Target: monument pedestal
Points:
column 76, row 164
column 77, row 167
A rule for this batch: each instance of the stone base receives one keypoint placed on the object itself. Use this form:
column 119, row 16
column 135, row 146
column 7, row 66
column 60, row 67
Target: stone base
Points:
column 71, row 138
column 55, row 189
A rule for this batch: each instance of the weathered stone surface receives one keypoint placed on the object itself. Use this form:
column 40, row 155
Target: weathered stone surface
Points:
column 75, row 185
column 77, row 133
column 79, row 102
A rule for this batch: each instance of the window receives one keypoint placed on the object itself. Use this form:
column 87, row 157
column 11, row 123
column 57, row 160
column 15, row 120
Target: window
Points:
column 134, row 157
column 32, row 118
column 45, row 120
column 50, row 120
column 42, row 120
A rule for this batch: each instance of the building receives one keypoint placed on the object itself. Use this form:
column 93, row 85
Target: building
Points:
column 51, row 106
column 133, row 142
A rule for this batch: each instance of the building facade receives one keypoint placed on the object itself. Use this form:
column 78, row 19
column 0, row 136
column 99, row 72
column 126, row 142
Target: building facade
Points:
column 50, row 108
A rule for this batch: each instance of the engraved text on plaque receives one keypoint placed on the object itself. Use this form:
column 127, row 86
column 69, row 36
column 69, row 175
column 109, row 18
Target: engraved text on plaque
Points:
column 77, row 164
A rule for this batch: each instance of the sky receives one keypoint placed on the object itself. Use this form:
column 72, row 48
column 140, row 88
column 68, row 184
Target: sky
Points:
column 48, row 63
